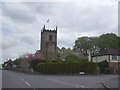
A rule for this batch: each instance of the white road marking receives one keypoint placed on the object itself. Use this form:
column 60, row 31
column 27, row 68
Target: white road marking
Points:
column 79, row 86
column 82, row 86
column 27, row 83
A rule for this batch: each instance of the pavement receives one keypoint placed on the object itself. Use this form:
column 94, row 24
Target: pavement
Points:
column 11, row 79
column 112, row 83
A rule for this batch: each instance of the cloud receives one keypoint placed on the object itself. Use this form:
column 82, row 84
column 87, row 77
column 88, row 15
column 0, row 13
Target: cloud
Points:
column 18, row 12
column 8, row 43
column 27, row 39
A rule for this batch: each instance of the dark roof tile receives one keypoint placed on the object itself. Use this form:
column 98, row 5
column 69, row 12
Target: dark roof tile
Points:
column 109, row 51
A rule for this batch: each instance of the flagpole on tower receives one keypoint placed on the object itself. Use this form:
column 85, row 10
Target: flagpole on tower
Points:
column 48, row 23
column 48, row 20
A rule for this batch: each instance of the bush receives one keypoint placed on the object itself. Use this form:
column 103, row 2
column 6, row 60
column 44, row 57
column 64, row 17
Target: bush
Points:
column 67, row 67
column 103, row 67
column 34, row 64
column 74, row 58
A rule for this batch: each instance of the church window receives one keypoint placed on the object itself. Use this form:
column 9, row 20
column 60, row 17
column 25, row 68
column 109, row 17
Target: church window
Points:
column 50, row 37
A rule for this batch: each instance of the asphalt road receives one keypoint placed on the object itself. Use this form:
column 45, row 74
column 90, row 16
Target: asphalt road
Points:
column 11, row 79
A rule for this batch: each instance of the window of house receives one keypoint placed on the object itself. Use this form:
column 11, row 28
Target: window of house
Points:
column 114, row 57
column 50, row 37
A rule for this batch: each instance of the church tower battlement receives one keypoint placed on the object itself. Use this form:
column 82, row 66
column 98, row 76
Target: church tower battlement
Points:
column 49, row 43
column 48, row 30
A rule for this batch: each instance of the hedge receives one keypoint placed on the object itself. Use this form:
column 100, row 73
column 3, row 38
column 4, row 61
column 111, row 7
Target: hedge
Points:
column 67, row 67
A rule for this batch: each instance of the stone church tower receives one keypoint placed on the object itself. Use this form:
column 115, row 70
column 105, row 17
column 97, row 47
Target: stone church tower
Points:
column 49, row 43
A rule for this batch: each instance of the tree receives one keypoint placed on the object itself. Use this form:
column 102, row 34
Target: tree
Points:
column 74, row 58
column 97, row 44
column 86, row 44
column 63, row 52
column 108, row 40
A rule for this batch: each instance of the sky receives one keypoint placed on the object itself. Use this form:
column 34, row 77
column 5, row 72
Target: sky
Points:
column 21, row 23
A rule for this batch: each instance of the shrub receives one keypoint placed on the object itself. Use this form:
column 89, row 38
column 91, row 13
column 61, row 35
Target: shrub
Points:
column 74, row 58
column 34, row 64
column 103, row 67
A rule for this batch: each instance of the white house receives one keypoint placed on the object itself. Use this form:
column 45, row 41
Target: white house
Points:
column 111, row 55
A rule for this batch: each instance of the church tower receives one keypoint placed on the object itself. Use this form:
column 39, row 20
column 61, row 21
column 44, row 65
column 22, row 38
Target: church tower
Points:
column 49, row 43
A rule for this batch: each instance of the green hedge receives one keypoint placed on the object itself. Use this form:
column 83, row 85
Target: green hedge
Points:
column 67, row 67
column 35, row 62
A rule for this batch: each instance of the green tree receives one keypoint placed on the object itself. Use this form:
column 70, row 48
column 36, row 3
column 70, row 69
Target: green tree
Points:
column 74, row 58
column 64, row 52
column 82, row 44
column 108, row 40
column 96, row 44
column 86, row 43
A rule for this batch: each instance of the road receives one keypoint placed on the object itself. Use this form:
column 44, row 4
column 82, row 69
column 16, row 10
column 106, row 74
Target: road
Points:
column 11, row 79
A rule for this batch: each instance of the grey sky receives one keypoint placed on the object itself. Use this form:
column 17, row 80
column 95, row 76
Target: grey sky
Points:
column 22, row 23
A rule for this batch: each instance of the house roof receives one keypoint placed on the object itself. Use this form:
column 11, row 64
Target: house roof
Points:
column 109, row 51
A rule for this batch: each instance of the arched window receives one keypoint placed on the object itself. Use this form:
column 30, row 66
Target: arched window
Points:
column 50, row 37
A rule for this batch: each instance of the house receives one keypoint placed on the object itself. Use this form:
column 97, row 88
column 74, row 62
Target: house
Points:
column 112, row 56
column 8, row 64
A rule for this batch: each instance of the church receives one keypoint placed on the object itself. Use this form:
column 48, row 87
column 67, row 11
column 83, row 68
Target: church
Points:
column 49, row 43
